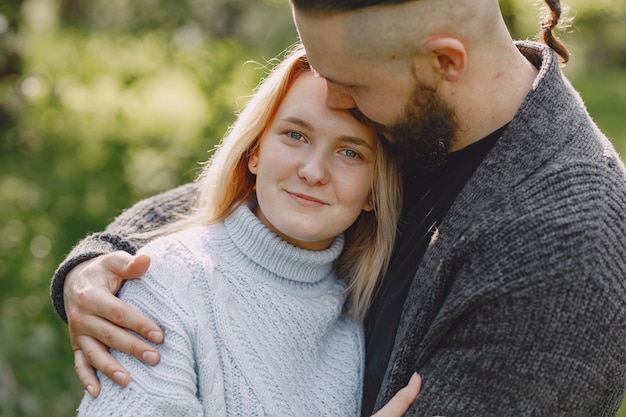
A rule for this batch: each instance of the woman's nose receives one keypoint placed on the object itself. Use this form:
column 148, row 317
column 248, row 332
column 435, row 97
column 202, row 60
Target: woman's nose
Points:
column 313, row 169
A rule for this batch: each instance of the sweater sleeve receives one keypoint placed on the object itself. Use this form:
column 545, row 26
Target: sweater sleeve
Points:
column 166, row 294
column 146, row 215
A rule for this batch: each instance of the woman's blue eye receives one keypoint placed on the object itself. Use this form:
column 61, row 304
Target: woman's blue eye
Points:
column 295, row 135
column 350, row 153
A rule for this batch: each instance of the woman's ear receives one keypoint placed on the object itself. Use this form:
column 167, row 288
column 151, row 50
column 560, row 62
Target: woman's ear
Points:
column 253, row 161
column 450, row 57
column 369, row 204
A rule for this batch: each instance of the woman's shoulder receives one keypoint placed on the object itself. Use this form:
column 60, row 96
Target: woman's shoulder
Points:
column 192, row 242
column 181, row 257
column 178, row 277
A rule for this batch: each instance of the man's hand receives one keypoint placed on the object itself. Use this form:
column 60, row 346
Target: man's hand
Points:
column 97, row 318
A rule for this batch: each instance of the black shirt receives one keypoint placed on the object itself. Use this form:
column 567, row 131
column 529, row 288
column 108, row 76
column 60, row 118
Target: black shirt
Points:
column 427, row 198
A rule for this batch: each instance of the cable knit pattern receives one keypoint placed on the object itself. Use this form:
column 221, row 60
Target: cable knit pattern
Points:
column 253, row 327
column 519, row 305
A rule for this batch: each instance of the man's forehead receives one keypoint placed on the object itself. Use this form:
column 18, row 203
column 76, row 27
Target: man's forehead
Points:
column 332, row 66
column 355, row 35
column 323, row 39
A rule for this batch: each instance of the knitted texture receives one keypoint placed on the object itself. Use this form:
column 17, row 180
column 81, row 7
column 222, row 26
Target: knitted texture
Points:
column 519, row 305
column 253, row 327
column 144, row 216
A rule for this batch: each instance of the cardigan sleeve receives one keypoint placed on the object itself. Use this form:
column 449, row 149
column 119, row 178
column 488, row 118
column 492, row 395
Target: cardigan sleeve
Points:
column 165, row 294
column 532, row 318
column 536, row 351
column 145, row 215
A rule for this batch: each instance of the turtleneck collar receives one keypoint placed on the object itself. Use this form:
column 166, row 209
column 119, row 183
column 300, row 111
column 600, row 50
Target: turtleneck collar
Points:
column 265, row 248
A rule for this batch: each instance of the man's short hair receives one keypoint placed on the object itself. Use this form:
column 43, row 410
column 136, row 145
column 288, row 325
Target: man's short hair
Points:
column 332, row 6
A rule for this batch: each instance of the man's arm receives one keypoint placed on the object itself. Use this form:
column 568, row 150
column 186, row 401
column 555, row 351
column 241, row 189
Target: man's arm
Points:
column 144, row 216
column 84, row 285
column 525, row 317
column 533, row 352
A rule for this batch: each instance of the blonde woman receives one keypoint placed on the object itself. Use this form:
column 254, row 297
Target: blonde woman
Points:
column 261, row 288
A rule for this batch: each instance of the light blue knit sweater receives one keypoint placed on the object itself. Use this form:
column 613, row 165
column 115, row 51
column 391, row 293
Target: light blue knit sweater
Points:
column 253, row 327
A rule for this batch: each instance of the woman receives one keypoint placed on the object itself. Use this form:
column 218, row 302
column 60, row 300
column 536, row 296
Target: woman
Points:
column 256, row 320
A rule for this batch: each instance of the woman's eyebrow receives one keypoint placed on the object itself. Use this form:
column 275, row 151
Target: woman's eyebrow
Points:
column 356, row 141
column 300, row 122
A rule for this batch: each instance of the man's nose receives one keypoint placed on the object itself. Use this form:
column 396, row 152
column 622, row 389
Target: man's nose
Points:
column 337, row 97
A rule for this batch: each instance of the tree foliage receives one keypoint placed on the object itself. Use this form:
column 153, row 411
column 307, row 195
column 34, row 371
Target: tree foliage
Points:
column 103, row 102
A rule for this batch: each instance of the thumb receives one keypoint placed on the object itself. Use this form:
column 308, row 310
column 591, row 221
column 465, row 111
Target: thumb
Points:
column 137, row 266
column 121, row 266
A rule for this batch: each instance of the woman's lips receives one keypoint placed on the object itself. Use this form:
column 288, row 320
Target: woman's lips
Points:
column 306, row 200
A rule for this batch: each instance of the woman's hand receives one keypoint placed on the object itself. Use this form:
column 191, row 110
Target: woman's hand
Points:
column 97, row 318
column 397, row 406
column 400, row 403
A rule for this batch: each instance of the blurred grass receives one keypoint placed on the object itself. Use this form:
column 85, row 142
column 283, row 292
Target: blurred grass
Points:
column 109, row 101
column 605, row 96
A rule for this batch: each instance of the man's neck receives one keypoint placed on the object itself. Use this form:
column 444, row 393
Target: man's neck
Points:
column 492, row 95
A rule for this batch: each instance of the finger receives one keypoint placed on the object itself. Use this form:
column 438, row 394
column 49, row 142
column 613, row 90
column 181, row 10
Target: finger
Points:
column 407, row 395
column 137, row 266
column 117, row 338
column 118, row 312
column 100, row 358
column 124, row 265
column 403, row 399
column 86, row 373
column 100, row 302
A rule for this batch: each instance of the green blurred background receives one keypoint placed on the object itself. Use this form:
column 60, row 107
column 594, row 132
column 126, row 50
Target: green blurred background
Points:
column 103, row 102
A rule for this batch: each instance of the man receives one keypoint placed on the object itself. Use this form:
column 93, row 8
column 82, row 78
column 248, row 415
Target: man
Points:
column 507, row 289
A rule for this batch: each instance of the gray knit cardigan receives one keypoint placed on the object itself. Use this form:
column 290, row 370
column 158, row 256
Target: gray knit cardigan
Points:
column 518, row 307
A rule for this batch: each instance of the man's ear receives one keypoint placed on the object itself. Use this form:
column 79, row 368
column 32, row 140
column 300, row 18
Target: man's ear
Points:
column 450, row 57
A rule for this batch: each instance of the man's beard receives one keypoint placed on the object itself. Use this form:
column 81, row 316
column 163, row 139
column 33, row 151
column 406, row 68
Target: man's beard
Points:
column 423, row 135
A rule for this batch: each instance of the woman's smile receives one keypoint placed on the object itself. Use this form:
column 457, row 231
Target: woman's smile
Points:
column 306, row 200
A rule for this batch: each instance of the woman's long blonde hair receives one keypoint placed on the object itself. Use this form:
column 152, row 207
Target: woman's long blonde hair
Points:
column 225, row 183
